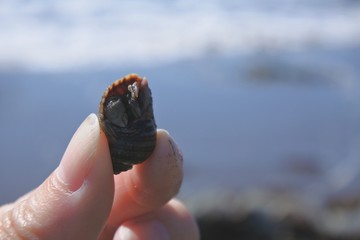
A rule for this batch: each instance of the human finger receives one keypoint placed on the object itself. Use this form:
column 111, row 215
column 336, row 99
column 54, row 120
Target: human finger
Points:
column 149, row 185
column 72, row 203
column 171, row 222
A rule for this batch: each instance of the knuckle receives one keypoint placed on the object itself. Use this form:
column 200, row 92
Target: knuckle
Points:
column 25, row 219
column 56, row 187
column 14, row 223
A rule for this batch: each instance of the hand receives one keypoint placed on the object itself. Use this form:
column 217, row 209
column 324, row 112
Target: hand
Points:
column 82, row 199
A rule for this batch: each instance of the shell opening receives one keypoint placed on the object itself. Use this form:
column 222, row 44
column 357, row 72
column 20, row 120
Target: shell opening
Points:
column 134, row 90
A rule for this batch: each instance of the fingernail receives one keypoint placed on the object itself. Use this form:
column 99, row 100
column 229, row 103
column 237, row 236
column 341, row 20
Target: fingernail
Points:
column 77, row 160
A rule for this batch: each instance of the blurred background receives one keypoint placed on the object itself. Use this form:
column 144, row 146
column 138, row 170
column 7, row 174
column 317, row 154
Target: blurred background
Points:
column 262, row 96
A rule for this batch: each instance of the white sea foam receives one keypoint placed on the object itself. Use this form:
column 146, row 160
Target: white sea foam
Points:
column 64, row 35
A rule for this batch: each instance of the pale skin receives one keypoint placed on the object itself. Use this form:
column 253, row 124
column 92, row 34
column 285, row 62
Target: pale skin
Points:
column 82, row 199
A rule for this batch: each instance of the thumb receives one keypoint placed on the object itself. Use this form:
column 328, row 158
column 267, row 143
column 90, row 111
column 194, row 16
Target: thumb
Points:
column 74, row 201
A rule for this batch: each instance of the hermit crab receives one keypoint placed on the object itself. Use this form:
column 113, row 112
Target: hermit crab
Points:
column 127, row 119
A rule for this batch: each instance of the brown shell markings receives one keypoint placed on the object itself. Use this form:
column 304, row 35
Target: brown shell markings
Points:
column 126, row 116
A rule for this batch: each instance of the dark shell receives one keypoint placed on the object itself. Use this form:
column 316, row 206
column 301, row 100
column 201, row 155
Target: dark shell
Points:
column 126, row 116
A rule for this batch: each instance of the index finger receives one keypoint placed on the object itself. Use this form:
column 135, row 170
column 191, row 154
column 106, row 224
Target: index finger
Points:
column 149, row 185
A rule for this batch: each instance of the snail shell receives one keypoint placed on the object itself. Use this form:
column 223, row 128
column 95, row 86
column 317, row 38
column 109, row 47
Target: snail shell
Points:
column 126, row 116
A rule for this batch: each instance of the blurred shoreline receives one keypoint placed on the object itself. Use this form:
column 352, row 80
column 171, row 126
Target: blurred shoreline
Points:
column 271, row 214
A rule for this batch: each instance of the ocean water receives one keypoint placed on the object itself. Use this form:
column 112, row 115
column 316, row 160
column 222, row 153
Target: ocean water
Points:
column 260, row 94
column 72, row 35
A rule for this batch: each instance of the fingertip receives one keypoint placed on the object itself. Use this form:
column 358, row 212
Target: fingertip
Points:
column 143, row 230
column 149, row 185
column 185, row 217
column 162, row 173
column 172, row 221
column 179, row 222
column 168, row 141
